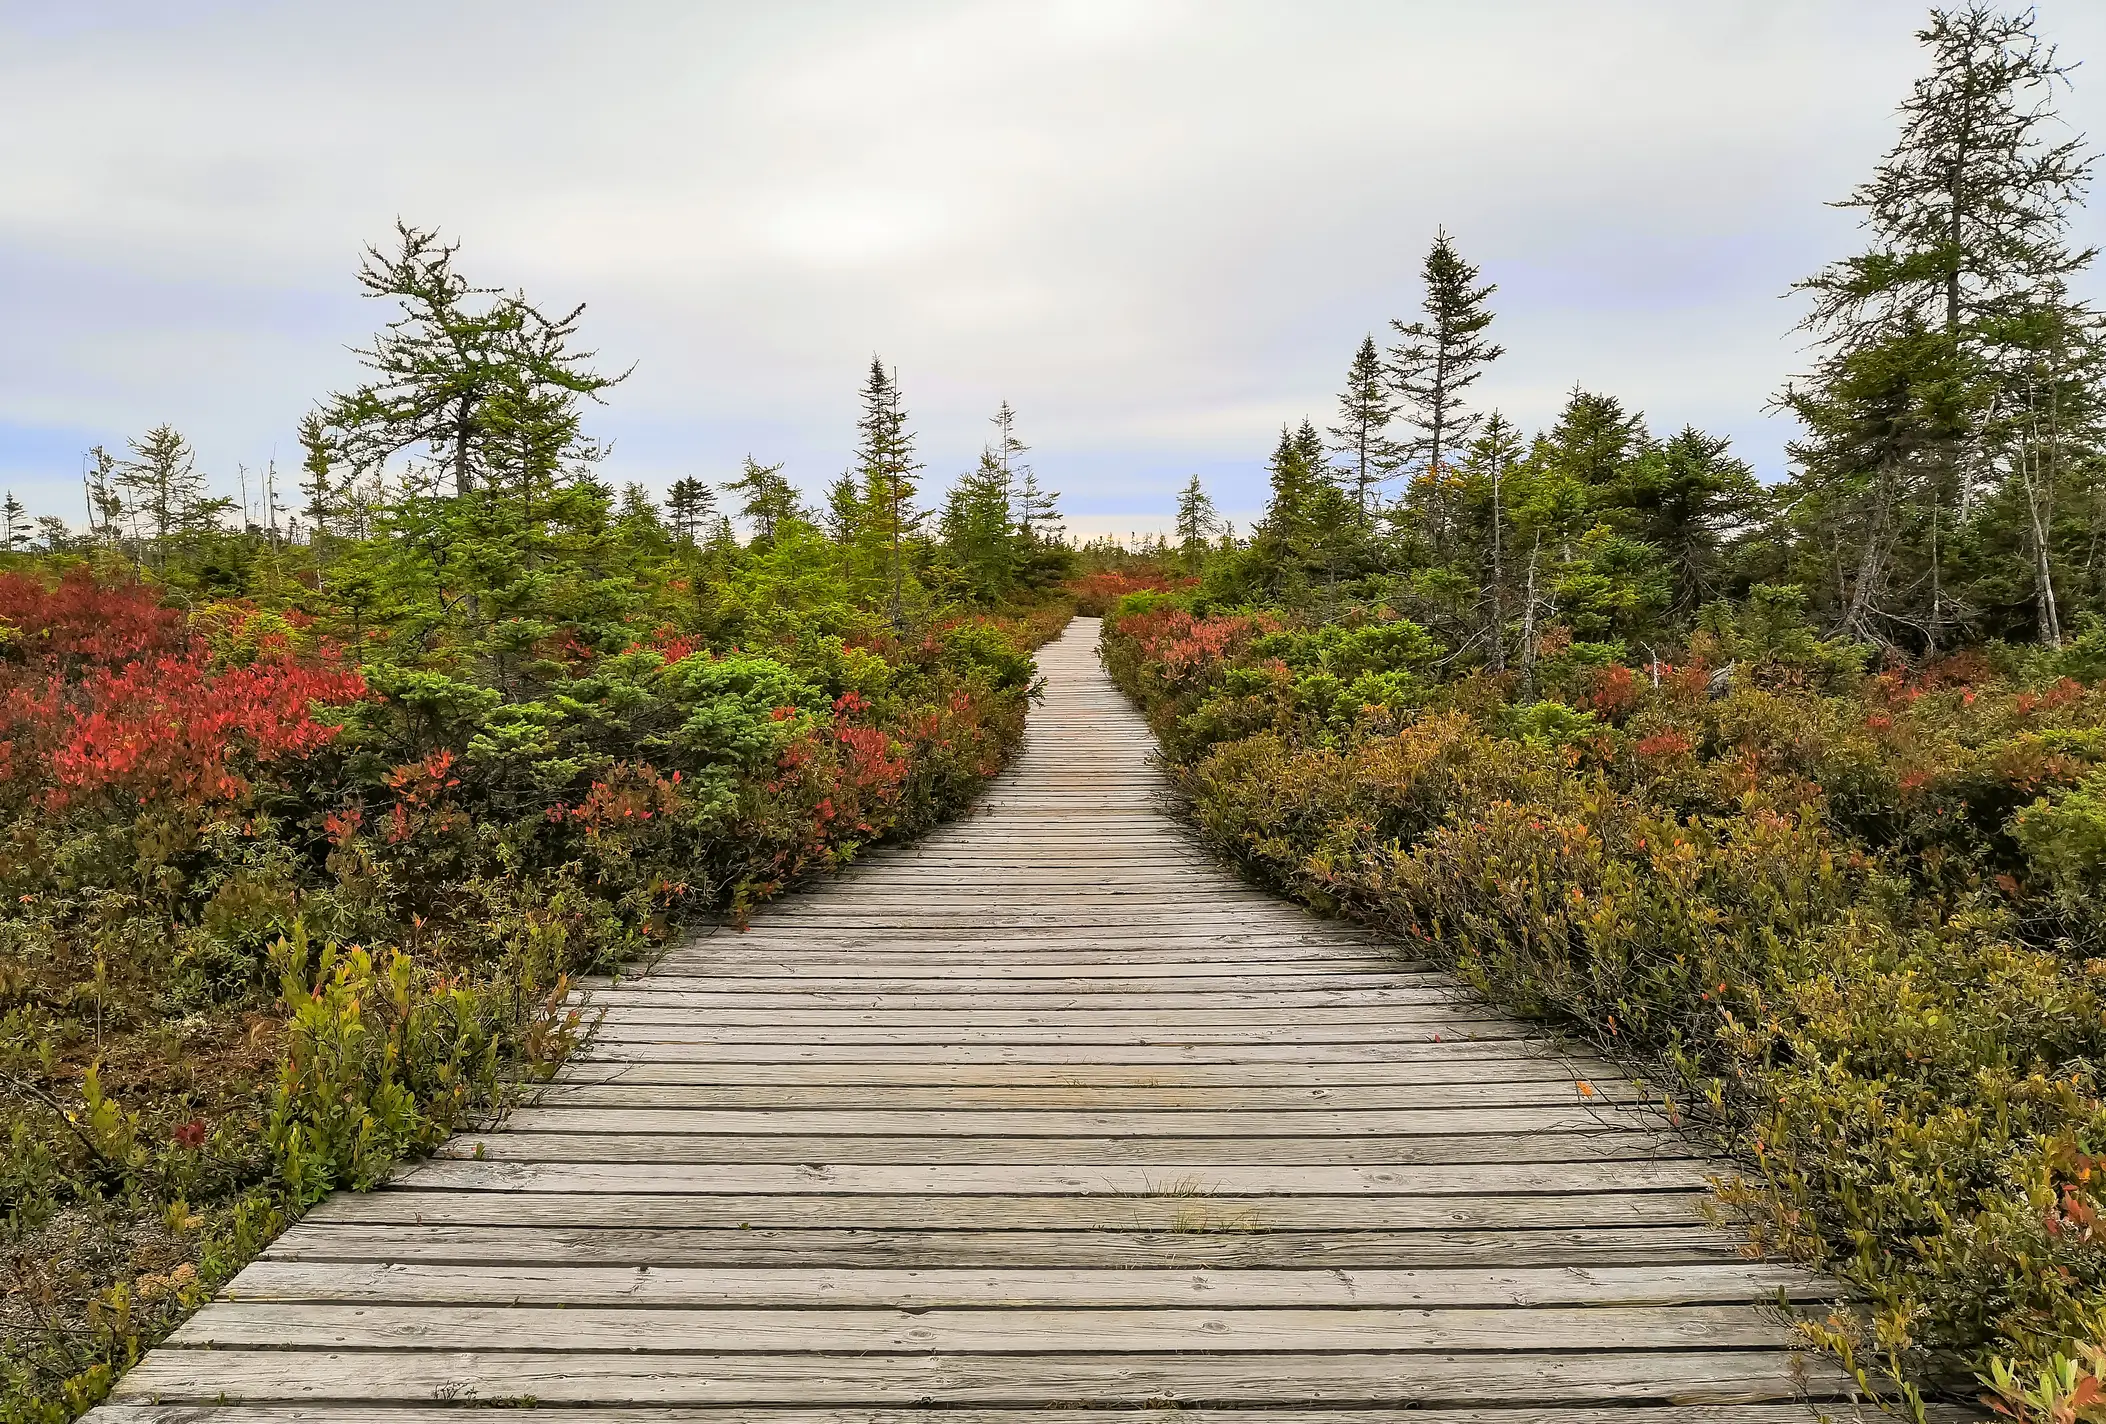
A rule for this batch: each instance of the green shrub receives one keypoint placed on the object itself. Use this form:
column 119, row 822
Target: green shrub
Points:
column 1847, row 925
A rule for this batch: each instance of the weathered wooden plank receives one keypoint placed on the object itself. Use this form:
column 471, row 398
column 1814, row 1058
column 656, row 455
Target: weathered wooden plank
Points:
column 1521, row 1286
column 1161, row 1151
column 1163, row 1003
column 1005, row 978
column 1371, row 1017
column 1288, row 1102
column 1057, row 1055
column 1266, row 943
column 1429, row 1030
column 1019, row 1213
column 1011, row 1331
column 1303, row 1077
column 1040, row 1179
column 1586, row 1247
column 1380, row 1378
column 1055, row 1122
column 749, row 1414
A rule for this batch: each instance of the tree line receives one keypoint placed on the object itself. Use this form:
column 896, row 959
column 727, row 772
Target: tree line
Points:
column 457, row 486
column 1947, row 484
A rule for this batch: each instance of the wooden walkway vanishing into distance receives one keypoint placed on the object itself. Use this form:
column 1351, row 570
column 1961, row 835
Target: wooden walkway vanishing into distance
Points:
column 1044, row 1118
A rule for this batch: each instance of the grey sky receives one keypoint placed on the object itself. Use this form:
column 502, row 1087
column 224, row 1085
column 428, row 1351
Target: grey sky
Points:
column 1159, row 229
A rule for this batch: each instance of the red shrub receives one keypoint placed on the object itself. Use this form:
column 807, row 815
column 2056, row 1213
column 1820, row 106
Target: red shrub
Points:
column 1615, row 692
column 116, row 693
column 1095, row 594
column 81, row 621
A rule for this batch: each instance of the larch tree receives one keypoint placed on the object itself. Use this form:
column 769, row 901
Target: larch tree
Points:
column 164, row 492
column 469, row 374
column 766, row 496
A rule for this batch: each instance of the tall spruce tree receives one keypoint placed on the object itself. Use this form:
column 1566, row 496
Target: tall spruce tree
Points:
column 886, row 465
column 1594, row 441
column 1365, row 409
column 1007, row 447
column 1691, row 499
column 1921, row 337
column 845, row 516
column 690, row 506
column 1197, row 523
column 1432, row 367
column 978, row 543
column 14, row 524
column 1311, row 534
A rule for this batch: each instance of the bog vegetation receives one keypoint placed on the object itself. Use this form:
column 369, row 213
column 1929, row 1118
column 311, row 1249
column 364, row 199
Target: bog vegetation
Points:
column 1794, row 797
column 313, row 817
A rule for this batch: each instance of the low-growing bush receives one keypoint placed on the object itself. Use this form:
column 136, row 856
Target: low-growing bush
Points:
column 1847, row 923
column 281, row 916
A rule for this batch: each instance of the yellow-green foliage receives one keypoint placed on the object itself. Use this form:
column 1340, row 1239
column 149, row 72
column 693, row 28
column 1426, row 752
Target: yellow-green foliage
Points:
column 1848, row 924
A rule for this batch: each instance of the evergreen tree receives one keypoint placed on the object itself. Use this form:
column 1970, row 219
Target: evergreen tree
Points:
column 1594, row 442
column 164, row 493
column 1971, row 207
column 1487, row 469
column 318, row 480
column 1692, row 500
column 765, row 496
column 1881, row 424
column 1197, row 523
column 1037, row 509
column 1043, row 556
column 105, row 503
column 977, row 541
column 1007, row 447
column 2044, row 439
column 1432, row 368
column 1923, row 335
column 469, row 373
column 1365, row 409
column 885, row 461
column 638, row 522
column 14, row 524
column 844, row 510
column 1311, row 532
column 690, row 506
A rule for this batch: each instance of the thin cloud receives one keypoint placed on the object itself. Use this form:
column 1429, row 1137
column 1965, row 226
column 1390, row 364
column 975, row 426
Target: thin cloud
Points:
column 1158, row 229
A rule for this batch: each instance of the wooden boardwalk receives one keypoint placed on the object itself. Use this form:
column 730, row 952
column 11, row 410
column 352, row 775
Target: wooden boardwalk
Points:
column 1046, row 1118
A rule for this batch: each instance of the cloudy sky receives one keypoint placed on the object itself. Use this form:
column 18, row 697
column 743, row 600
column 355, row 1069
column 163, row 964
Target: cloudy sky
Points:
column 1158, row 228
